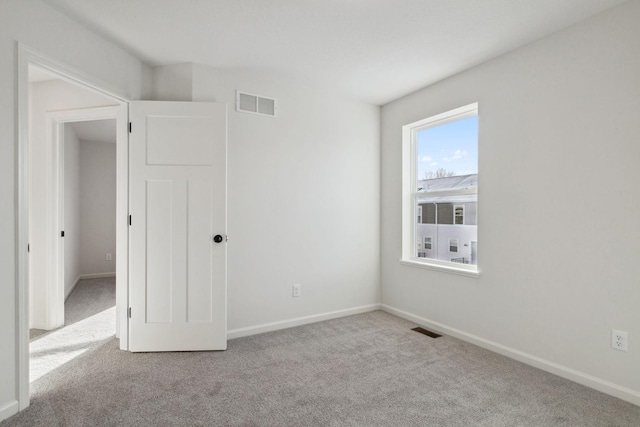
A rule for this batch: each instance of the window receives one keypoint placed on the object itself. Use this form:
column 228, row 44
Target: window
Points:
column 458, row 214
column 427, row 243
column 430, row 215
column 440, row 191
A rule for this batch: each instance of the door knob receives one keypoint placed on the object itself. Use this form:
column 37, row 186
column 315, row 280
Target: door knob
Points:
column 217, row 238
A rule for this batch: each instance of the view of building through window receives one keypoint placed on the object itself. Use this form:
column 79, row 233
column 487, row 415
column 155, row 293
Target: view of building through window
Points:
column 446, row 198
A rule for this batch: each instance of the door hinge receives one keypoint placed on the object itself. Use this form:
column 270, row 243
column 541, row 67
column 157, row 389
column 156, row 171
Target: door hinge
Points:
column 130, row 127
column 62, row 233
column 28, row 248
column 129, row 312
column 129, row 219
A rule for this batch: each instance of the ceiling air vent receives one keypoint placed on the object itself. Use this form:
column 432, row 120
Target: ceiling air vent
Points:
column 256, row 104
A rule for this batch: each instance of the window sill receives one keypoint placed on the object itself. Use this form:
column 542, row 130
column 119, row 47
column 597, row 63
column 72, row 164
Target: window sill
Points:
column 442, row 268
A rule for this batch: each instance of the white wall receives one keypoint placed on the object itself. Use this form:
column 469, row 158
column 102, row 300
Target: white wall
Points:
column 42, row 28
column 90, row 208
column 303, row 198
column 173, row 83
column 97, row 207
column 558, row 140
column 47, row 96
column 72, row 182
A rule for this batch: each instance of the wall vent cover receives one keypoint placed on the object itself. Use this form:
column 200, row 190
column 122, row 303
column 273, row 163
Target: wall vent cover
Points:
column 256, row 104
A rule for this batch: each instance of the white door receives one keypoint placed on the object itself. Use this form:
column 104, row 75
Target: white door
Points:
column 177, row 269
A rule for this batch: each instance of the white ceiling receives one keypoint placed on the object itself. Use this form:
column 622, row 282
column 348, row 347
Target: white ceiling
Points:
column 373, row 50
column 95, row 130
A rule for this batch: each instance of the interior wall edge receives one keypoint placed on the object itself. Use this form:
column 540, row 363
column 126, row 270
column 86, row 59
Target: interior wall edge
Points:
column 70, row 291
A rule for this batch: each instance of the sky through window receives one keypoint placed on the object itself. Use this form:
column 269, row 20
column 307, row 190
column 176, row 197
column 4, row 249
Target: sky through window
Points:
column 452, row 146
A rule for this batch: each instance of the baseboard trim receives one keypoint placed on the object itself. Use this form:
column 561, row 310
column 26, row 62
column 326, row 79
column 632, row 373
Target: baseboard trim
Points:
column 9, row 410
column 97, row 275
column 624, row 393
column 299, row 321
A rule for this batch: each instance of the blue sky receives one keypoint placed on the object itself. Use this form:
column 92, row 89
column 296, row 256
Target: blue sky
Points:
column 452, row 146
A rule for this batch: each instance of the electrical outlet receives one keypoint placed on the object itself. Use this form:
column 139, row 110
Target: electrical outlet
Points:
column 108, row 257
column 619, row 340
column 296, row 290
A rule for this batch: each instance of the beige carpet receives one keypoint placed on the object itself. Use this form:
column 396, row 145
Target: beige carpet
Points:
column 364, row 370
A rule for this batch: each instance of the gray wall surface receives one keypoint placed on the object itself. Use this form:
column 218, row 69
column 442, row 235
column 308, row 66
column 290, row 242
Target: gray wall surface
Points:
column 559, row 128
column 97, row 207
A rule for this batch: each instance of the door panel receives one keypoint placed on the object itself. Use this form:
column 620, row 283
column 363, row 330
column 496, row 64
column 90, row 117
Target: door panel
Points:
column 158, row 245
column 199, row 269
column 163, row 131
column 178, row 203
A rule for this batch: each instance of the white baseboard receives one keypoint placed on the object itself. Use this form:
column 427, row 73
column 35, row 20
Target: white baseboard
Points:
column 97, row 275
column 624, row 393
column 299, row 321
column 8, row 410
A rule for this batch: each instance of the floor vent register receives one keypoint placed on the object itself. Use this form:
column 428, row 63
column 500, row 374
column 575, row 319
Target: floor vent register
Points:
column 426, row 332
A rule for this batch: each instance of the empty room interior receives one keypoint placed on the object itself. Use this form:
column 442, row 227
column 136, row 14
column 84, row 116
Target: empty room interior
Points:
column 320, row 213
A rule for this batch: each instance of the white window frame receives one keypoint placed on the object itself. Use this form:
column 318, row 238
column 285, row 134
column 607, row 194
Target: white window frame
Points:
column 455, row 207
column 419, row 217
column 410, row 195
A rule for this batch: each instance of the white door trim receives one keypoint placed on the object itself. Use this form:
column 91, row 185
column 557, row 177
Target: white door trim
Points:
column 27, row 56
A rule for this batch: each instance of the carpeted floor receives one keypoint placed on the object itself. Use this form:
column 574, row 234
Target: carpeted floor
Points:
column 90, row 297
column 364, row 370
column 90, row 319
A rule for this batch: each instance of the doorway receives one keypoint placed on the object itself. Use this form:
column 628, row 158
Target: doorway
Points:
column 86, row 197
column 34, row 68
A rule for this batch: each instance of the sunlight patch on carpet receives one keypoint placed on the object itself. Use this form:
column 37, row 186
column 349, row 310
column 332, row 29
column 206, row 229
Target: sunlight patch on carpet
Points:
column 65, row 344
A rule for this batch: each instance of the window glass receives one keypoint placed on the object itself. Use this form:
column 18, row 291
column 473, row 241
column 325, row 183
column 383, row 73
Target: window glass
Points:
column 444, row 187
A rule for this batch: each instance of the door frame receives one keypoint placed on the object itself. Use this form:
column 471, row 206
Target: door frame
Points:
column 26, row 57
column 55, row 121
